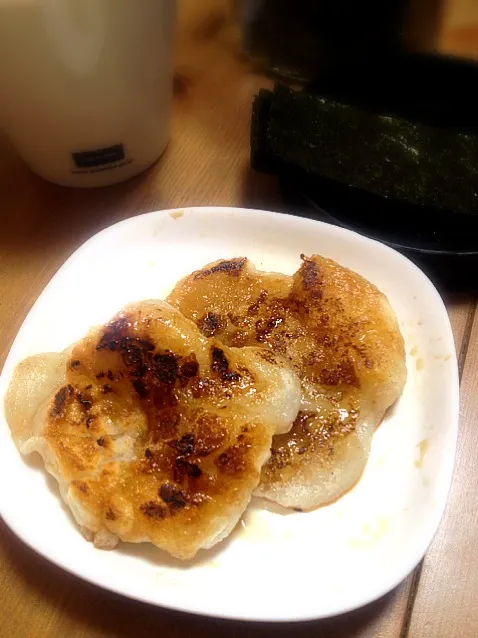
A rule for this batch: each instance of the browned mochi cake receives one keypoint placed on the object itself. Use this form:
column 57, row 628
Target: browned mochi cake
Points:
column 341, row 336
column 154, row 432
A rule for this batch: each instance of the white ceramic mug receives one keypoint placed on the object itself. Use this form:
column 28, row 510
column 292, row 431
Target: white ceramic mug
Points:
column 86, row 85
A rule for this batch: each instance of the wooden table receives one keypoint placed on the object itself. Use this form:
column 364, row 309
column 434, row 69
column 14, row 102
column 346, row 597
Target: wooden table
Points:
column 207, row 163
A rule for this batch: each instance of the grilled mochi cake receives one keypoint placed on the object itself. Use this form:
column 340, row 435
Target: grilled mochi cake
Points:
column 341, row 336
column 154, row 432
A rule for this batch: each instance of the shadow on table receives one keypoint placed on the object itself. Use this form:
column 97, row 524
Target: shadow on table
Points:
column 34, row 212
column 260, row 191
column 88, row 610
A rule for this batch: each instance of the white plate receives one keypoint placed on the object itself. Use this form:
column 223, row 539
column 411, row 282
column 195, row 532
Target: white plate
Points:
column 274, row 566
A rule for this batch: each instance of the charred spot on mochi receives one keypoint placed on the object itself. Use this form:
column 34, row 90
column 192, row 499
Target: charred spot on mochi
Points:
column 81, row 486
column 85, row 401
column 220, row 365
column 231, row 267
column 140, row 386
column 60, row 400
column 173, row 496
column 153, row 510
column 165, row 367
column 110, row 515
column 184, row 445
column 113, row 334
column 254, row 307
column 189, row 367
column 211, row 324
column 183, row 468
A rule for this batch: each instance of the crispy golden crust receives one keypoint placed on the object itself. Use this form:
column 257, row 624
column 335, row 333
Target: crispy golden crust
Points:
column 159, row 434
column 339, row 333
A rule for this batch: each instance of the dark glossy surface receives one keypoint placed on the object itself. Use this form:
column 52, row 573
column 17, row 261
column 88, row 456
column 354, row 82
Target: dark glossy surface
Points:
column 445, row 247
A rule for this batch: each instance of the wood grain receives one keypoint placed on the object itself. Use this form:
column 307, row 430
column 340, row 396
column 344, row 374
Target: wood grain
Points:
column 42, row 601
column 445, row 605
column 205, row 163
column 459, row 28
